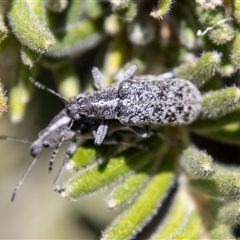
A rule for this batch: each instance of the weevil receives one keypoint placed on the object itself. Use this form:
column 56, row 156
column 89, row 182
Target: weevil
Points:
column 136, row 102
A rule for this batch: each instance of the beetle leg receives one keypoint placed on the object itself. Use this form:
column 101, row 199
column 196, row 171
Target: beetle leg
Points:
column 149, row 77
column 98, row 82
column 55, row 151
column 101, row 132
column 70, row 150
column 128, row 74
column 165, row 76
column 140, row 131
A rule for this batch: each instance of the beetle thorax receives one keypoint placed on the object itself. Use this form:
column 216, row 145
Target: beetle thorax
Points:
column 103, row 104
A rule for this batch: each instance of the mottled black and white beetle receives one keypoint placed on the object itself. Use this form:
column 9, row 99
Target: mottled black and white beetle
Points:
column 157, row 101
column 136, row 101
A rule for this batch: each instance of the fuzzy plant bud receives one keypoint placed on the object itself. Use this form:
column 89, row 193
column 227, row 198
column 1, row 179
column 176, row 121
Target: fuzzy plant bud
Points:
column 222, row 34
column 229, row 183
column 162, row 9
column 218, row 103
column 197, row 163
column 201, row 69
column 230, row 213
column 37, row 8
column 220, row 24
column 221, row 231
column 209, row 4
column 210, row 17
column 235, row 55
column 119, row 4
column 225, row 183
column 29, row 27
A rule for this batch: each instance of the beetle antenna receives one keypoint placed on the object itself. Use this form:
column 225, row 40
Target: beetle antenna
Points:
column 15, row 139
column 21, row 180
column 41, row 86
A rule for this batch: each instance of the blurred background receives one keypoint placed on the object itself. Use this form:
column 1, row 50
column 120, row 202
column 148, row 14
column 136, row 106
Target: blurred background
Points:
column 158, row 36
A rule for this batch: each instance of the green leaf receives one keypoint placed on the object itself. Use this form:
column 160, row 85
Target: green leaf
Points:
column 230, row 213
column 125, row 192
column 200, row 70
column 142, row 210
column 205, row 125
column 106, row 173
column 225, row 183
column 192, row 228
column 219, row 103
column 86, row 155
column 228, row 134
column 176, row 218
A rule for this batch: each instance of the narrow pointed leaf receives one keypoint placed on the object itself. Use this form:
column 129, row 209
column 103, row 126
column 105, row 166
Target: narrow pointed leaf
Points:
column 219, row 103
column 142, row 210
column 105, row 174
column 192, row 229
column 125, row 192
column 175, row 218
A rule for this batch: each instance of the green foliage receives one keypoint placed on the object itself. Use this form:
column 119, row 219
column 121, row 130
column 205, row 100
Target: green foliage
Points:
column 197, row 41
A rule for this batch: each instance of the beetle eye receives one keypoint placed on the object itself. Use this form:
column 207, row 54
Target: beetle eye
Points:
column 46, row 144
